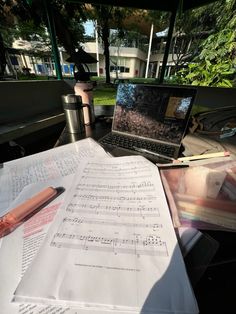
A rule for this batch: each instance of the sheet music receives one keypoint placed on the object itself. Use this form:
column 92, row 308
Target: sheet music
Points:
column 20, row 247
column 112, row 246
column 47, row 165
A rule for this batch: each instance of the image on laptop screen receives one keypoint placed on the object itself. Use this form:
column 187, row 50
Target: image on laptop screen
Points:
column 154, row 112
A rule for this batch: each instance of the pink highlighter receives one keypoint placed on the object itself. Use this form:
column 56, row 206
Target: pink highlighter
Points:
column 19, row 214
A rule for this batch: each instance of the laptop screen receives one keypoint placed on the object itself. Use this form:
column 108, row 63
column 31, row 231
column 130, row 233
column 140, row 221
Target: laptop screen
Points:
column 151, row 111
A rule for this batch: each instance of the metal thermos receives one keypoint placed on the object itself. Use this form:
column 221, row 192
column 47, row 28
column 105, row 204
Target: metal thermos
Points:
column 73, row 109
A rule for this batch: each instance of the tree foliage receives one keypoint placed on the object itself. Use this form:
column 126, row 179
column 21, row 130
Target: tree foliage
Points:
column 18, row 20
column 191, row 27
column 215, row 63
column 68, row 18
column 29, row 22
column 6, row 20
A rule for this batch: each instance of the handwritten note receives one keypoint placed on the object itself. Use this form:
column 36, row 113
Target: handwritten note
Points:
column 47, row 165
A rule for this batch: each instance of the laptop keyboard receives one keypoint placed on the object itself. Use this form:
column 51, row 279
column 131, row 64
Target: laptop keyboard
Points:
column 129, row 142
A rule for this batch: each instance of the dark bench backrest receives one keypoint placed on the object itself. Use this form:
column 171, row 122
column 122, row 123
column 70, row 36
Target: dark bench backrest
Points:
column 22, row 100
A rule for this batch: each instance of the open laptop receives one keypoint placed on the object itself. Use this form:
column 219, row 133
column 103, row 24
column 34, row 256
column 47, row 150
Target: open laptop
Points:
column 150, row 120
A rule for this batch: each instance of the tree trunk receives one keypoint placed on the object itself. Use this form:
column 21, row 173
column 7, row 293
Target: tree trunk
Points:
column 3, row 60
column 106, row 44
column 66, row 38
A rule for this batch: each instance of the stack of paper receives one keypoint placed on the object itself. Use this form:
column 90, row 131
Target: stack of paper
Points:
column 111, row 247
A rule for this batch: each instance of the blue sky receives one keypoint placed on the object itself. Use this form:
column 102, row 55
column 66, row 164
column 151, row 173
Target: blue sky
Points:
column 89, row 28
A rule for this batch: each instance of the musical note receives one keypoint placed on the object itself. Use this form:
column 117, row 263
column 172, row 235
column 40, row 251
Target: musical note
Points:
column 151, row 245
column 114, row 210
column 93, row 221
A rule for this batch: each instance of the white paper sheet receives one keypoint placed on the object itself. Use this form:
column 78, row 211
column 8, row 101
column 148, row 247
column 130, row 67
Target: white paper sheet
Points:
column 47, row 165
column 20, row 247
column 113, row 245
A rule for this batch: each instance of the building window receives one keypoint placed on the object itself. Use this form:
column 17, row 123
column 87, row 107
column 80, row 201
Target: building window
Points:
column 119, row 69
column 14, row 60
column 120, row 65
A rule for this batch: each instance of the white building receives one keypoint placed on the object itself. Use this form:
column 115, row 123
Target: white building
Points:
column 125, row 62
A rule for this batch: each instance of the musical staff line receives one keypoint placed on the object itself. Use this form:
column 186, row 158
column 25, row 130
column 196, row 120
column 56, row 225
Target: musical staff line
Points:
column 106, row 170
column 145, row 186
column 115, row 178
column 98, row 209
column 115, row 187
column 150, row 245
column 93, row 197
column 93, row 221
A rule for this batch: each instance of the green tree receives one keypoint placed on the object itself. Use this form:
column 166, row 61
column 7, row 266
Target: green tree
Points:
column 5, row 20
column 215, row 63
column 107, row 17
column 29, row 22
column 68, row 20
column 16, row 21
column 191, row 27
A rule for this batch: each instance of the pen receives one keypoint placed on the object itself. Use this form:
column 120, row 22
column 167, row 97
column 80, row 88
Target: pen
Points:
column 143, row 150
column 17, row 215
column 204, row 156
column 172, row 165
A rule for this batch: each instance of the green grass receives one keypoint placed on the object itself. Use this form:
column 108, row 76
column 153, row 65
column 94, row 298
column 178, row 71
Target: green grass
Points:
column 104, row 95
column 140, row 80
